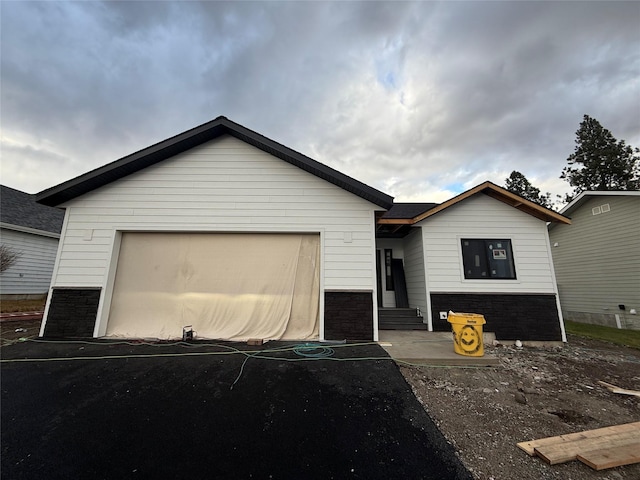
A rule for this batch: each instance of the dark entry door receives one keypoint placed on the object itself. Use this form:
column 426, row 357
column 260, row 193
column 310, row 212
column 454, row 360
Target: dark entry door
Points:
column 400, row 283
column 378, row 275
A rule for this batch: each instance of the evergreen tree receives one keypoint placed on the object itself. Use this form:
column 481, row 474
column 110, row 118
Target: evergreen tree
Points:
column 600, row 162
column 517, row 183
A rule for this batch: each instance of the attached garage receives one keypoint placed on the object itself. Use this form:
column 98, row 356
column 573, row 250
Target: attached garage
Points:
column 221, row 230
column 231, row 286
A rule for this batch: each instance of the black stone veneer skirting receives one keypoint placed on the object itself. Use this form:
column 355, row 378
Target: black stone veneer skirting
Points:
column 348, row 315
column 72, row 312
column 510, row 316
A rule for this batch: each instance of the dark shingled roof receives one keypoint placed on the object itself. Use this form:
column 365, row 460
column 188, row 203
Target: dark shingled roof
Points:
column 20, row 209
column 192, row 138
column 408, row 210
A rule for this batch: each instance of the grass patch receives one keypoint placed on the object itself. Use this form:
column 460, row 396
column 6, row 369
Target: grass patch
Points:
column 629, row 338
column 11, row 306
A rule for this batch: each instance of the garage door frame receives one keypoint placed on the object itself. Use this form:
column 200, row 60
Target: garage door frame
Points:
column 105, row 300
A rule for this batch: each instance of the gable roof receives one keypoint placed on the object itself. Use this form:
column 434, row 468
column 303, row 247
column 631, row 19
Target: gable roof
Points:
column 192, row 138
column 486, row 188
column 20, row 209
column 584, row 196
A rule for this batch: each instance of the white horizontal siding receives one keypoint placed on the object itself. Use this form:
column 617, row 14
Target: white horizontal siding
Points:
column 484, row 217
column 414, row 270
column 223, row 185
column 597, row 260
column 31, row 274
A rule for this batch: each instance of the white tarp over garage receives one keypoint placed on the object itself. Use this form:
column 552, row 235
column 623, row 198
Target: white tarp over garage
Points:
column 226, row 286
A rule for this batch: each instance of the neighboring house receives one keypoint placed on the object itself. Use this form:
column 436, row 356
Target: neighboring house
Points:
column 597, row 259
column 31, row 231
column 227, row 233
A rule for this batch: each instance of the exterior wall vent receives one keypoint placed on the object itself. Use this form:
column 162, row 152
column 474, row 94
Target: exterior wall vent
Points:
column 596, row 210
column 605, row 208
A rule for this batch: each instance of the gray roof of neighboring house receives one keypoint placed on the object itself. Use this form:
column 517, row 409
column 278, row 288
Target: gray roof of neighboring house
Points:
column 408, row 210
column 20, row 209
column 584, row 196
column 192, row 138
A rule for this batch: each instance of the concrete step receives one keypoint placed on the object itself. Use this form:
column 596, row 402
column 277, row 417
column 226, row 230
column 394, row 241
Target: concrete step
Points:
column 402, row 326
column 400, row 319
column 396, row 312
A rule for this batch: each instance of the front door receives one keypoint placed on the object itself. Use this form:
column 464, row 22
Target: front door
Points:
column 379, row 276
column 390, row 279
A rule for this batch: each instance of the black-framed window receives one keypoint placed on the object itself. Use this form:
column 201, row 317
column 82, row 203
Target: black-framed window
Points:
column 488, row 259
column 388, row 273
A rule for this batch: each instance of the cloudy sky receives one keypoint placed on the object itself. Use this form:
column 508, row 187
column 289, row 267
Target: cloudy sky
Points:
column 420, row 100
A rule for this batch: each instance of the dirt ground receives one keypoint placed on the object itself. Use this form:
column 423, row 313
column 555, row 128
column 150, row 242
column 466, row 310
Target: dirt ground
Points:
column 478, row 413
column 12, row 330
column 477, row 410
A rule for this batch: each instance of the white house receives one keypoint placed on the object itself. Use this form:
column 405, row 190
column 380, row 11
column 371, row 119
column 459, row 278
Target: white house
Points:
column 31, row 231
column 225, row 232
column 484, row 251
column 219, row 230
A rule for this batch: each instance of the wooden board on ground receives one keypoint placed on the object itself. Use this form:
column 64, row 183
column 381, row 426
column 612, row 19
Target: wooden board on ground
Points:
column 615, row 389
column 530, row 446
column 611, row 457
column 567, row 451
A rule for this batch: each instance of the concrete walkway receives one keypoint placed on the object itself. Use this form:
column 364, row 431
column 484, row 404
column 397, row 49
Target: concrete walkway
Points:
column 430, row 348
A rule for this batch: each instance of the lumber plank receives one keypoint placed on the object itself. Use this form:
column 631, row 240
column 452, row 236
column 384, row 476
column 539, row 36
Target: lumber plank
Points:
column 615, row 389
column 611, row 457
column 567, row 451
column 529, row 447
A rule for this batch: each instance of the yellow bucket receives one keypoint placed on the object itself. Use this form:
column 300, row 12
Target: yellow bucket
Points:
column 467, row 333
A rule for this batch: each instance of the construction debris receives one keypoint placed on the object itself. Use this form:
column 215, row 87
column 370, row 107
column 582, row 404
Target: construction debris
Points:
column 600, row 449
column 616, row 389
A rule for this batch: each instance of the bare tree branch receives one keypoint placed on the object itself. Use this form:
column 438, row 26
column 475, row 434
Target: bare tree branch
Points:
column 8, row 257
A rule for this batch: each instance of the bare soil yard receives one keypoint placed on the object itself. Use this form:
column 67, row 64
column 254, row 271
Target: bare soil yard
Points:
column 12, row 330
column 479, row 414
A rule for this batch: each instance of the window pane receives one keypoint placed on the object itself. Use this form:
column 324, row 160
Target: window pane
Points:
column 484, row 258
column 500, row 259
column 474, row 259
column 388, row 256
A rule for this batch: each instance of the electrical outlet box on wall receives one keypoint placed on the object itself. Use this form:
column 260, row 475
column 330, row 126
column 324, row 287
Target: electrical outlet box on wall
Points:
column 443, row 315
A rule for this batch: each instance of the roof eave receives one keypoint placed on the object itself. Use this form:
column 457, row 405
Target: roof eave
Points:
column 132, row 163
column 581, row 198
column 503, row 195
column 158, row 152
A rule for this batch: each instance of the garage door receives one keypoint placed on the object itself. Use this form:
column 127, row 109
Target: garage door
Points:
column 226, row 286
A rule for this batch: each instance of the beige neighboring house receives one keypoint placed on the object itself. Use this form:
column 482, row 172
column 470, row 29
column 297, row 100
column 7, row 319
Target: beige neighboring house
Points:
column 597, row 259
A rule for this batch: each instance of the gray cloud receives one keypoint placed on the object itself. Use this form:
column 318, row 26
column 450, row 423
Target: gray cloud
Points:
column 417, row 99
